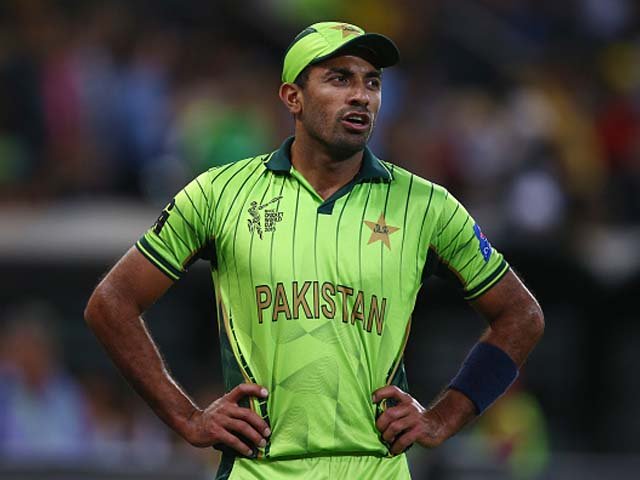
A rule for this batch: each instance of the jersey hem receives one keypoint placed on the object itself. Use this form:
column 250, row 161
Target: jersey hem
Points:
column 226, row 466
column 322, row 454
column 490, row 281
column 154, row 257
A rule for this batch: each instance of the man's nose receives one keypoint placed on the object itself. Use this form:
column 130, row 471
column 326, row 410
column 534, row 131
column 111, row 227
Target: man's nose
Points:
column 359, row 95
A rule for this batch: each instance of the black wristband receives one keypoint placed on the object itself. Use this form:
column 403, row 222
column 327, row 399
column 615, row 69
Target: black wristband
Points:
column 485, row 375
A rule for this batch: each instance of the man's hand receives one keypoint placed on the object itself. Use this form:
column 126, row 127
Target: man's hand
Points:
column 225, row 423
column 407, row 422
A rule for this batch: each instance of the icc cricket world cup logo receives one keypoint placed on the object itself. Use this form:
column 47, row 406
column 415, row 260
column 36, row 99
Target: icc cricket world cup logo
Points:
column 271, row 217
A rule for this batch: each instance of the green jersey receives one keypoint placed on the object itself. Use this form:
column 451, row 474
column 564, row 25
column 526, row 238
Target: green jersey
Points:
column 315, row 296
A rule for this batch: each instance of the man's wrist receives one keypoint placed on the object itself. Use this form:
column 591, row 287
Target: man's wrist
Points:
column 452, row 411
column 436, row 427
column 185, row 424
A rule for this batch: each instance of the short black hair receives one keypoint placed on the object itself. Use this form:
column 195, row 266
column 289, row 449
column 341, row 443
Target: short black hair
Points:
column 303, row 77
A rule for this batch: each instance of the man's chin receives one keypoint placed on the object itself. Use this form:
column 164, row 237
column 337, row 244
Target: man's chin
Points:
column 350, row 144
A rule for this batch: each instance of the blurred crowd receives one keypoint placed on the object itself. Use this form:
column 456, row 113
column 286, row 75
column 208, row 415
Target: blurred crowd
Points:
column 529, row 111
column 53, row 416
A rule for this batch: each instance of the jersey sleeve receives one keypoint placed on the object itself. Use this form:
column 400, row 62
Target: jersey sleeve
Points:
column 182, row 233
column 461, row 252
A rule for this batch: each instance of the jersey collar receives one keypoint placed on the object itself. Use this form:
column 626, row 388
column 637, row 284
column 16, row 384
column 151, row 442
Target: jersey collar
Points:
column 372, row 167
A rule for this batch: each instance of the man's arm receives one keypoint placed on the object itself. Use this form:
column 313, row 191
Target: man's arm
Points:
column 114, row 314
column 516, row 323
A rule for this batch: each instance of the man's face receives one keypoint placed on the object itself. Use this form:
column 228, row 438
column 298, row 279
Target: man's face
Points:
column 340, row 103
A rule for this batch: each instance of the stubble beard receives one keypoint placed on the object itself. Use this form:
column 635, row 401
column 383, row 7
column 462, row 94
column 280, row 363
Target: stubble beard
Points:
column 329, row 132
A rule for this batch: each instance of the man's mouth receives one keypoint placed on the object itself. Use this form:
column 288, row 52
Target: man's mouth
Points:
column 356, row 122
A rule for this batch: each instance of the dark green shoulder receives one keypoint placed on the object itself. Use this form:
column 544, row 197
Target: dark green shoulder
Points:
column 421, row 185
column 238, row 169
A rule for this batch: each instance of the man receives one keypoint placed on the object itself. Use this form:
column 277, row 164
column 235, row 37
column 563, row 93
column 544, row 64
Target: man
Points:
column 317, row 253
column 43, row 412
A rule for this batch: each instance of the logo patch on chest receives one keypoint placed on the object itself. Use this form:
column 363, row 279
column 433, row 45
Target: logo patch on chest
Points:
column 380, row 231
column 262, row 219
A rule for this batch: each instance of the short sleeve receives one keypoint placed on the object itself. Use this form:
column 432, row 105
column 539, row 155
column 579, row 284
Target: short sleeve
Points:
column 182, row 232
column 461, row 252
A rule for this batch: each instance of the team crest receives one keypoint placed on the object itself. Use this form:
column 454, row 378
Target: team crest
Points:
column 380, row 231
column 263, row 219
column 347, row 29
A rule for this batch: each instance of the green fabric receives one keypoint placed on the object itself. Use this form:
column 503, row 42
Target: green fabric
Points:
column 372, row 168
column 456, row 247
column 321, row 40
column 322, row 468
column 316, row 306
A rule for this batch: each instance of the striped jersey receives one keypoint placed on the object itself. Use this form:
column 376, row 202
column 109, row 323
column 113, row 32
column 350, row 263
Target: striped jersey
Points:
column 315, row 295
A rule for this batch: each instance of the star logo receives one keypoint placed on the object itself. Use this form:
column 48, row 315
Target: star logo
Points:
column 380, row 231
column 346, row 29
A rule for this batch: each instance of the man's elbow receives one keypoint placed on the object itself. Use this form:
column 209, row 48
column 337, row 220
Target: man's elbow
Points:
column 97, row 305
column 534, row 322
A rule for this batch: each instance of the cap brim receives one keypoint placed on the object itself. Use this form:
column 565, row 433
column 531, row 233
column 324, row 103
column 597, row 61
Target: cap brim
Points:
column 377, row 49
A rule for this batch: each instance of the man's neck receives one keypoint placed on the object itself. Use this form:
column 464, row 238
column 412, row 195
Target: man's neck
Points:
column 324, row 172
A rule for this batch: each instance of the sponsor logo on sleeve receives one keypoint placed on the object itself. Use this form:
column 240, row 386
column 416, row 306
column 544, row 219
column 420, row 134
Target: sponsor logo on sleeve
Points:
column 485, row 246
column 163, row 217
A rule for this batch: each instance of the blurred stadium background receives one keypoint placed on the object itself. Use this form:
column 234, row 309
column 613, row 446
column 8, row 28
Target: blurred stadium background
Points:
column 527, row 110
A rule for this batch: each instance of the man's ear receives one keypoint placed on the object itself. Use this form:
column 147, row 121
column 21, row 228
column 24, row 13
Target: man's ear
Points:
column 291, row 96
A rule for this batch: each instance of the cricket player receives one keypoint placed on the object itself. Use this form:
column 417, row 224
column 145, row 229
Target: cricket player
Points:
column 317, row 252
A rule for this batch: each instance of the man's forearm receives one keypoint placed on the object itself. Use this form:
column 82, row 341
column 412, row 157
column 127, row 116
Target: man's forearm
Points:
column 516, row 333
column 516, row 321
column 515, row 326
column 123, row 333
column 452, row 408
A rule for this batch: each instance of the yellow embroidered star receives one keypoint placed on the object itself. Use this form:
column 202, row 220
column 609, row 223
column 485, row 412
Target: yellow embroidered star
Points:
column 381, row 231
column 346, row 29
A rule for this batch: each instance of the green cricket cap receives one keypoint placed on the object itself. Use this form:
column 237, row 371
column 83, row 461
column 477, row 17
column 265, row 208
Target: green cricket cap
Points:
column 324, row 40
